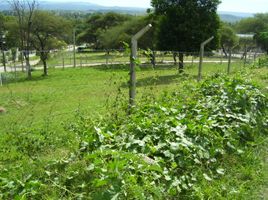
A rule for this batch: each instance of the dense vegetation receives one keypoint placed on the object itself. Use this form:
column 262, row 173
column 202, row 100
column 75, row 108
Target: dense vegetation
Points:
column 183, row 144
column 69, row 135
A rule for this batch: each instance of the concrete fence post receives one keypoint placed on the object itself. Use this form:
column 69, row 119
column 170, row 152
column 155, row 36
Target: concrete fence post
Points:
column 1, row 81
column 74, row 49
column 133, row 57
column 202, row 47
column 229, row 61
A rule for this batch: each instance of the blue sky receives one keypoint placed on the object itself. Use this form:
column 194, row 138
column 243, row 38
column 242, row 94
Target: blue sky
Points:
column 251, row 6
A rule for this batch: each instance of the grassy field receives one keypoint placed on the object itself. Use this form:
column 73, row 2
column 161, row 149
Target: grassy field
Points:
column 64, row 58
column 49, row 104
column 61, row 93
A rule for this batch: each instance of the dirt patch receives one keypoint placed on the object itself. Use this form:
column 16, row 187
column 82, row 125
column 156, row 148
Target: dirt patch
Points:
column 2, row 110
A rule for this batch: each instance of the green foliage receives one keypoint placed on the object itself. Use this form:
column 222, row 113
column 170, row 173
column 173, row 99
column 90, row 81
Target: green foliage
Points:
column 185, row 24
column 262, row 40
column 171, row 148
column 228, row 38
column 113, row 38
column 258, row 23
column 180, row 144
column 98, row 24
column 263, row 61
column 48, row 34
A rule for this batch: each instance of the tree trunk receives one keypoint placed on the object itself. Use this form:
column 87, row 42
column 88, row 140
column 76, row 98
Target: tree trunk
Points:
column 181, row 64
column 28, row 66
column 152, row 58
column 43, row 58
column 224, row 51
column 45, row 67
column 4, row 60
column 175, row 58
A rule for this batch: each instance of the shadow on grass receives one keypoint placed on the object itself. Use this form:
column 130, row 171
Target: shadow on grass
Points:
column 162, row 80
column 126, row 67
column 11, row 77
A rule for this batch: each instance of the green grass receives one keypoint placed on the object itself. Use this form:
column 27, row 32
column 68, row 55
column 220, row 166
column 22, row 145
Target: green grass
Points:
column 64, row 91
column 66, row 58
column 48, row 104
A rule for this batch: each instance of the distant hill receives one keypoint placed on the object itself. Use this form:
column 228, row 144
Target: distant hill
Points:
column 230, row 18
column 237, row 14
column 90, row 7
column 233, row 17
column 79, row 6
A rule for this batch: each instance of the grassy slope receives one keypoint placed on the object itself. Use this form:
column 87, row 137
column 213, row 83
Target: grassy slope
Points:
column 48, row 102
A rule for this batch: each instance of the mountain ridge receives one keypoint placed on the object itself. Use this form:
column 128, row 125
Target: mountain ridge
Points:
column 92, row 7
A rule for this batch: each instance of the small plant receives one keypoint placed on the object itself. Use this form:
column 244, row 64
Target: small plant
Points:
column 175, row 147
column 263, row 61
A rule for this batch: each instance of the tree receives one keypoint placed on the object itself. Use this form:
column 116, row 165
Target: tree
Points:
column 117, row 35
column 99, row 23
column 184, row 24
column 47, row 34
column 262, row 40
column 228, row 38
column 258, row 23
column 2, row 39
column 24, row 11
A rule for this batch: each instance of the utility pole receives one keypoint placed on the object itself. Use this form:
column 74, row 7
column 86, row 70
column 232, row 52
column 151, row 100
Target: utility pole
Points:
column 133, row 57
column 74, row 48
column 202, row 47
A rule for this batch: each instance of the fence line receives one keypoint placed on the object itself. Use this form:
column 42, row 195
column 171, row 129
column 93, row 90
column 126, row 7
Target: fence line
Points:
column 64, row 59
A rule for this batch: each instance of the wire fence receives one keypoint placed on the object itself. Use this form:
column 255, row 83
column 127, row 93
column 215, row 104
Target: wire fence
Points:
column 65, row 59
column 15, row 63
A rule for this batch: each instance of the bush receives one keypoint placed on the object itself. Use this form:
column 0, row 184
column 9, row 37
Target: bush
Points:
column 166, row 149
column 263, row 61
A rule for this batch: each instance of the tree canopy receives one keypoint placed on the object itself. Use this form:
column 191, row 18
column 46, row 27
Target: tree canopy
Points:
column 115, row 36
column 256, row 24
column 99, row 23
column 184, row 24
column 262, row 40
column 228, row 38
column 48, row 34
